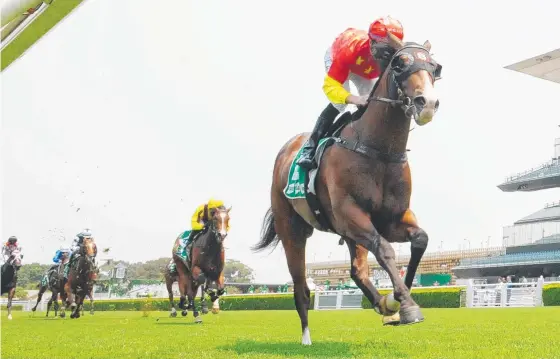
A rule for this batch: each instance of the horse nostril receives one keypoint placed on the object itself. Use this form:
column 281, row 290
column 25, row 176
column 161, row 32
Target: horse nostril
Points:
column 437, row 105
column 420, row 101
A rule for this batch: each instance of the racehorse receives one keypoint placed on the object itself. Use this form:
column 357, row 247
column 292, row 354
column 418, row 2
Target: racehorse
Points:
column 81, row 278
column 205, row 263
column 9, row 278
column 362, row 186
column 172, row 277
column 55, row 283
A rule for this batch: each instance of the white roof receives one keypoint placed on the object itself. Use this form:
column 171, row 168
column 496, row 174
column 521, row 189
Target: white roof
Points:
column 545, row 66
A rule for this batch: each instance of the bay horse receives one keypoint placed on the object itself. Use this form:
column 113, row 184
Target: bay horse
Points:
column 362, row 187
column 172, row 277
column 54, row 282
column 9, row 277
column 82, row 275
column 205, row 262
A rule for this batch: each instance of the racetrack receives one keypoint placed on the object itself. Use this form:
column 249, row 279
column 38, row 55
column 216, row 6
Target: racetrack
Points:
column 447, row 333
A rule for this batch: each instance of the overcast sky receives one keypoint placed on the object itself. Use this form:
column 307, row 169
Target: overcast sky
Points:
column 135, row 113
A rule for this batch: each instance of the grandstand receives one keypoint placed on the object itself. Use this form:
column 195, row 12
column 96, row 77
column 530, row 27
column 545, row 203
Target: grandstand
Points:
column 531, row 246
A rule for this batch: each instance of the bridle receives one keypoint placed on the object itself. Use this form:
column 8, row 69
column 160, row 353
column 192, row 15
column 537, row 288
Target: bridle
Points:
column 400, row 71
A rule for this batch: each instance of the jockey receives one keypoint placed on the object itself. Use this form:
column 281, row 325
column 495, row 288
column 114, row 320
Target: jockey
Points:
column 76, row 243
column 357, row 56
column 60, row 255
column 201, row 216
column 10, row 246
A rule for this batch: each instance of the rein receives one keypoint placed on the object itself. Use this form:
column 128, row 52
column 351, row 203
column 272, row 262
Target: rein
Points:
column 394, row 78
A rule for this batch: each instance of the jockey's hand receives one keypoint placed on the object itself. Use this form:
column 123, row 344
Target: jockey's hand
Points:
column 357, row 100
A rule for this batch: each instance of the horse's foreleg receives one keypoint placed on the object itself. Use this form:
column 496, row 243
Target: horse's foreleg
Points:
column 359, row 227
column 68, row 300
column 191, row 293
column 11, row 294
column 90, row 295
column 49, row 303
column 407, row 230
column 203, row 289
column 55, row 298
column 42, row 290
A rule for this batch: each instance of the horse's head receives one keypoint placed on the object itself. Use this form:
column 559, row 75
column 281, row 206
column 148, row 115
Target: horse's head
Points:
column 89, row 248
column 410, row 77
column 219, row 222
column 15, row 259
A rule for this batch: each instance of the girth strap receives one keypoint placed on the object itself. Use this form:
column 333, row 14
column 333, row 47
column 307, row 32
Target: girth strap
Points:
column 370, row 152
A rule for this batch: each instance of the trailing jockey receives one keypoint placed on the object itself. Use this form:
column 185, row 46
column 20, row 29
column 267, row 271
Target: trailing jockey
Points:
column 198, row 220
column 61, row 258
column 356, row 56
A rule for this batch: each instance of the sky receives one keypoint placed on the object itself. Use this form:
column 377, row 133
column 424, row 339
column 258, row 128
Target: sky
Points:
column 127, row 115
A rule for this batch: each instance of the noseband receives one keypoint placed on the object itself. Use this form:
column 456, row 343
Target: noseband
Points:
column 400, row 71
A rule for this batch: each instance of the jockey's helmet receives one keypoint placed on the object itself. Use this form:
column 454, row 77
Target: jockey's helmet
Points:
column 12, row 240
column 380, row 28
column 214, row 203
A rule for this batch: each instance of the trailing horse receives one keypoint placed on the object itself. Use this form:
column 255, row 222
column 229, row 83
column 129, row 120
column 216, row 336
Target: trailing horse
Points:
column 9, row 278
column 204, row 262
column 82, row 275
column 361, row 188
column 54, row 281
column 171, row 276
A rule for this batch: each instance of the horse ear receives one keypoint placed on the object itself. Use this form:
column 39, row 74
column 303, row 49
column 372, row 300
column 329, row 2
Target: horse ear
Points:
column 427, row 45
column 229, row 209
column 395, row 42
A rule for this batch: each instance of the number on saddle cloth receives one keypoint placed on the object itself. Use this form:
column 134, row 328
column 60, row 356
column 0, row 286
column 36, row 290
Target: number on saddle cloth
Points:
column 297, row 177
column 181, row 250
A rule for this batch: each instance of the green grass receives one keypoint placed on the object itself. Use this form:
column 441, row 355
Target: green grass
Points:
column 46, row 21
column 446, row 333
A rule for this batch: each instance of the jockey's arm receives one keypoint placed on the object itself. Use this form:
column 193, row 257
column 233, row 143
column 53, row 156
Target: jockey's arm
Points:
column 332, row 85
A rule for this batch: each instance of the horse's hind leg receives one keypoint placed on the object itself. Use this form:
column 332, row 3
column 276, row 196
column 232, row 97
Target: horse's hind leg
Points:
column 169, row 285
column 11, row 294
column 52, row 298
column 293, row 231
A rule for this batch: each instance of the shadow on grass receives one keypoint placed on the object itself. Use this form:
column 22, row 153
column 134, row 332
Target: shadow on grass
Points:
column 317, row 350
column 178, row 323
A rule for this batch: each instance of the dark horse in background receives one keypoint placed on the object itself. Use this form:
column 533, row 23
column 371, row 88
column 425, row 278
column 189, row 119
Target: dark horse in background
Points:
column 9, row 278
column 205, row 262
column 172, row 276
column 55, row 283
column 362, row 187
column 81, row 278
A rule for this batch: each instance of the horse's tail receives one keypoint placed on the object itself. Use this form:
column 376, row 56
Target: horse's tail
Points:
column 268, row 233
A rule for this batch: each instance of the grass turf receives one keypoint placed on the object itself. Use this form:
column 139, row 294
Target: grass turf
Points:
column 46, row 21
column 446, row 333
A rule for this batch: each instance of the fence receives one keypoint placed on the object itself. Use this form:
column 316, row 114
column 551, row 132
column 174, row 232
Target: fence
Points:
column 504, row 294
column 338, row 299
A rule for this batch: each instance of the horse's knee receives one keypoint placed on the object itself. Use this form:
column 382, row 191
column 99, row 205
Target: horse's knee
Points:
column 419, row 239
column 201, row 279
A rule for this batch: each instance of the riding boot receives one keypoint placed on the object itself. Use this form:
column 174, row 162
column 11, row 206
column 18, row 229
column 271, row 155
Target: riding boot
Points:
column 323, row 124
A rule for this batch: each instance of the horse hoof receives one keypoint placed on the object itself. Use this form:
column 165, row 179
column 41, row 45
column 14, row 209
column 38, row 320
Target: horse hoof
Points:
column 9, row 317
column 198, row 320
column 173, row 314
column 72, row 316
column 62, row 315
column 204, row 310
column 411, row 315
column 215, row 310
column 306, row 337
column 33, row 309
column 91, row 312
column 184, row 313
column 394, row 319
